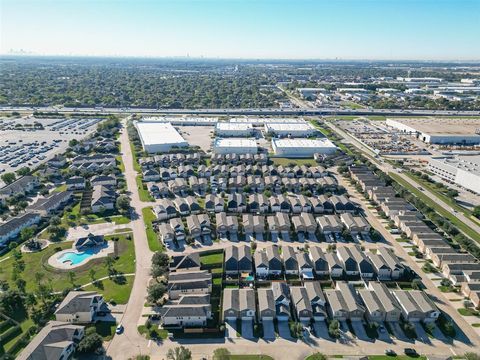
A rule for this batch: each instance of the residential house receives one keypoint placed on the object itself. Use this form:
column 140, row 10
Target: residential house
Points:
column 188, row 262
column 275, row 267
column 214, row 203
column 49, row 205
column 11, row 228
column 301, row 304
column 165, row 209
column 238, row 304
column 55, row 341
column 103, row 198
column 266, row 305
column 76, row 183
column 290, row 260
column 320, row 264
column 80, row 307
column 238, row 260
column 189, row 282
column 317, row 300
column 187, row 311
column 20, row 186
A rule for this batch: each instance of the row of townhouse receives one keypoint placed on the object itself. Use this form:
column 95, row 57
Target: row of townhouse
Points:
column 348, row 261
column 21, row 186
column 222, row 171
column 94, row 162
column 239, row 159
column 80, row 182
column 43, row 208
column 166, row 160
column 172, row 228
column 214, row 184
column 309, row 302
column 460, row 267
column 239, row 203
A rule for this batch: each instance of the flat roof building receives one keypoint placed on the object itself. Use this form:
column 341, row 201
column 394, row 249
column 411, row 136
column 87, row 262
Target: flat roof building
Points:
column 440, row 131
column 294, row 130
column 235, row 146
column 461, row 170
column 302, row 147
column 159, row 137
column 233, row 129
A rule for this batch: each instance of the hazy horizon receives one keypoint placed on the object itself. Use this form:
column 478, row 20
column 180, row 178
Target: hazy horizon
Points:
column 388, row 30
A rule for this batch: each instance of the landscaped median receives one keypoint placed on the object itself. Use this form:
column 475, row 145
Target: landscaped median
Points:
column 441, row 211
column 152, row 237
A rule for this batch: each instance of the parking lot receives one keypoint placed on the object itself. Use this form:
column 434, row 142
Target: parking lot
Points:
column 31, row 141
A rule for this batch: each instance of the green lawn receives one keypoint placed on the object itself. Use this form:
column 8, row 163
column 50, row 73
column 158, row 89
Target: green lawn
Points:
column 446, row 214
column 136, row 165
column 158, row 333
column 142, row 191
column 59, row 280
column 113, row 291
column 468, row 312
column 352, row 105
column 121, row 165
column 287, row 161
column 61, row 188
column 211, row 259
column 73, row 218
column 106, row 329
column 152, row 238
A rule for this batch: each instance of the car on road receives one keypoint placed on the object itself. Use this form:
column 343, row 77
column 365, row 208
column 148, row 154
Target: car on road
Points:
column 410, row 352
column 390, row 352
column 119, row 329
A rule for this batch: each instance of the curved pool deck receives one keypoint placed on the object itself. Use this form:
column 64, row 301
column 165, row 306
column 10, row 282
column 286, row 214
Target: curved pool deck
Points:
column 72, row 258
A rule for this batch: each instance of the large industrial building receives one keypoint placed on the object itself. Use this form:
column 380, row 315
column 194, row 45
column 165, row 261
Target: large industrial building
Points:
column 183, row 120
column 255, row 121
column 461, row 170
column 440, row 131
column 294, row 130
column 302, row 147
column 159, row 136
column 233, row 129
column 235, row 146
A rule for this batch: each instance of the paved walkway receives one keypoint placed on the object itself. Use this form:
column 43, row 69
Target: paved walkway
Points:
column 96, row 229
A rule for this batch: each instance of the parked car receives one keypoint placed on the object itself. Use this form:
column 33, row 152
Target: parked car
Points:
column 410, row 352
column 119, row 329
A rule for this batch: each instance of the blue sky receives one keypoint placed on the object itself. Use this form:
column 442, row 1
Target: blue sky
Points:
column 295, row 29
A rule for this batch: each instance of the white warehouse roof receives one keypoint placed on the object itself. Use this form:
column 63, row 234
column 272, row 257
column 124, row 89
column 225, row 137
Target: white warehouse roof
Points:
column 234, row 145
column 302, row 147
column 227, row 126
column 159, row 136
column 285, row 127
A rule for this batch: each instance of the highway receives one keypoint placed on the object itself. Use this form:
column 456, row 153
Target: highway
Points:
column 239, row 112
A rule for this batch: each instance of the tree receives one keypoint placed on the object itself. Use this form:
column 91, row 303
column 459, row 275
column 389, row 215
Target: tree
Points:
column 296, row 329
column 73, row 142
column 158, row 271
column 109, row 261
column 27, row 233
column 23, row 171
column 10, row 301
column 160, row 259
column 472, row 356
column 221, row 354
column 179, row 353
column 21, row 285
column 123, row 203
column 55, row 221
column 155, row 292
column 334, row 329
column 317, row 356
column 90, row 343
column 8, row 178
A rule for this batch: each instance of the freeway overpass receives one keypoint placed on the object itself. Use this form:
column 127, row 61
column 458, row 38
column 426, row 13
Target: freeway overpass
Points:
column 253, row 112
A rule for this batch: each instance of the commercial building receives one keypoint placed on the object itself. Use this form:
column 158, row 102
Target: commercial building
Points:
column 159, row 137
column 235, row 146
column 293, row 130
column 302, row 147
column 233, row 129
column 461, row 170
column 440, row 131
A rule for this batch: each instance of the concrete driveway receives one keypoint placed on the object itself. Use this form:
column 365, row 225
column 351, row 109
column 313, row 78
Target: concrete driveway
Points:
column 268, row 330
column 383, row 334
column 321, row 330
column 421, row 334
column 284, row 330
column 359, row 330
column 230, row 331
column 397, row 331
column 247, row 329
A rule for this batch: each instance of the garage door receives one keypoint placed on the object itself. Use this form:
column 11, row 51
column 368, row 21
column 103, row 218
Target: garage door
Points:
column 231, row 318
column 282, row 318
column 267, row 318
column 247, row 318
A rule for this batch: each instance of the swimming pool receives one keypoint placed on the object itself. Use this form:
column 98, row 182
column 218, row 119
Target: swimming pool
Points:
column 76, row 258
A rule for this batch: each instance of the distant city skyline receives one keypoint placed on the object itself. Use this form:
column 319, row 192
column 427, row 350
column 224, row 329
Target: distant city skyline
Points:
column 268, row 29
